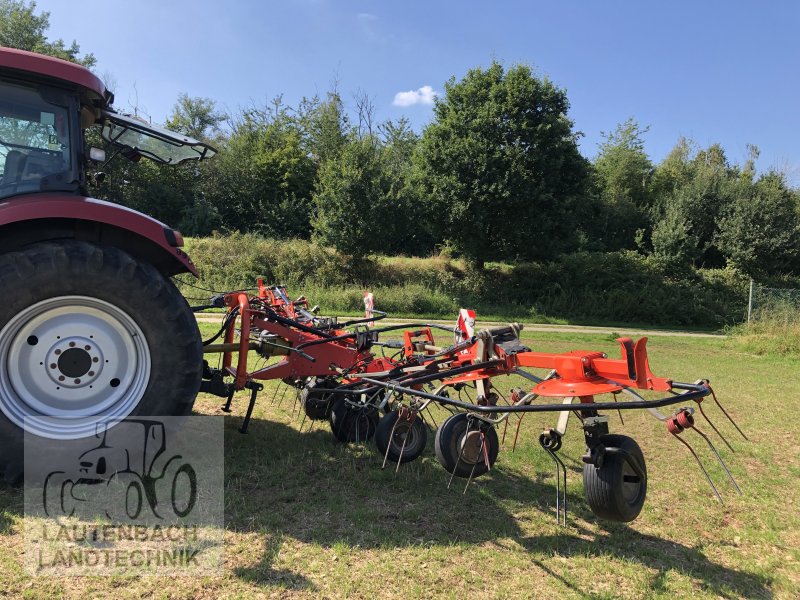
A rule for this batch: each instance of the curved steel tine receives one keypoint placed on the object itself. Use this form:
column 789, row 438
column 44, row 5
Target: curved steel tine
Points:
column 275, row 394
column 516, row 435
column 619, row 412
column 282, row 395
column 472, row 472
column 714, row 427
column 303, row 422
column 702, row 468
column 297, row 404
column 505, row 428
column 560, row 468
column 389, row 445
column 402, row 450
column 428, row 408
column 564, row 496
column 724, row 412
column 458, row 461
column 719, row 458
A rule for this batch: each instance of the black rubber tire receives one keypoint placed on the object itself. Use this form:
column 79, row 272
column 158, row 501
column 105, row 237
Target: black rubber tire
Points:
column 448, row 441
column 415, row 441
column 614, row 491
column 61, row 268
column 353, row 425
column 317, row 405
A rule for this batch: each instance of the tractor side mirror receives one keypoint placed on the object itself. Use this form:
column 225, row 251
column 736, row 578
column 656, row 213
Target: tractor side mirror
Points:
column 97, row 155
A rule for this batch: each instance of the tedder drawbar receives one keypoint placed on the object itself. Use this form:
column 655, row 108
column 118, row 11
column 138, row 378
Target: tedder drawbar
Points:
column 340, row 378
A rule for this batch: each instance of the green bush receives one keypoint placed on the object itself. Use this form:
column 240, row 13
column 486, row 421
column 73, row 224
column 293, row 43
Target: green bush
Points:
column 588, row 287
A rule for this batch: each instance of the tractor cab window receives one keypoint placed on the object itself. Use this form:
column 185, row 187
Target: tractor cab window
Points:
column 36, row 145
column 156, row 143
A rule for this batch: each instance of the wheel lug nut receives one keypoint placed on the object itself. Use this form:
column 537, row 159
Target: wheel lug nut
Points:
column 77, row 381
column 58, row 352
column 91, row 373
column 72, row 344
column 53, row 365
column 61, row 378
column 95, row 359
column 87, row 347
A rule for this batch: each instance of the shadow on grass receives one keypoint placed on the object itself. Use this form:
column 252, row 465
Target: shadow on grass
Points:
column 282, row 483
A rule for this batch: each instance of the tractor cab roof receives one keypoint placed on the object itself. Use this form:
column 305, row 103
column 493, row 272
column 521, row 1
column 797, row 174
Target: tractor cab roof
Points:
column 37, row 66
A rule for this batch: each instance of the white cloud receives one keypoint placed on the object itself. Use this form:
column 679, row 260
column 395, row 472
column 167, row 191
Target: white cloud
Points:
column 423, row 95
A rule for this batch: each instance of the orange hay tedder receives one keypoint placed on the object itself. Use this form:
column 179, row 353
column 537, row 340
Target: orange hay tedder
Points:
column 340, row 378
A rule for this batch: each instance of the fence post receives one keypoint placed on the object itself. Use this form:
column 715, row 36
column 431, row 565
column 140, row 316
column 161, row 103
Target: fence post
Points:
column 750, row 302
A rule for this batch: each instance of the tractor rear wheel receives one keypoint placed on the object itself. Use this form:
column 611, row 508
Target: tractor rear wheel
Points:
column 88, row 334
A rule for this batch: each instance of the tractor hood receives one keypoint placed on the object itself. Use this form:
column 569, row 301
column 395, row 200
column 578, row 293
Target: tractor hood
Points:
column 156, row 143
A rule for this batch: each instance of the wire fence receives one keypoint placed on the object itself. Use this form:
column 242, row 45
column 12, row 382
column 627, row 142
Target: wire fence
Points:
column 763, row 298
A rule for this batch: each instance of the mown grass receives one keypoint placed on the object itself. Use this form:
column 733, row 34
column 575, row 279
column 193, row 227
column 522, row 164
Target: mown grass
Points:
column 306, row 517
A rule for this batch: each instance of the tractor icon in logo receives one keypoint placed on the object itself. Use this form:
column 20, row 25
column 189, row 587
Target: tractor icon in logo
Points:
column 127, row 476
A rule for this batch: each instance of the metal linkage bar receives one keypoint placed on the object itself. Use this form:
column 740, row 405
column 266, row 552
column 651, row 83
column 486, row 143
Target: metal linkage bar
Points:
column 692, row 392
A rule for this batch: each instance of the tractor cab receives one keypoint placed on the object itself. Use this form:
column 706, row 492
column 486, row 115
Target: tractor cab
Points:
column 46, row 105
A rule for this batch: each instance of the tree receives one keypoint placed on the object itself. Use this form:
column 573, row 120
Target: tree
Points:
column 196, row 117
column 760, row 233
column 263, row 178
column 622, row 173
column 351, row 208
column 697, row 187
column 21, row 28
column 675, row 247
column 501, row 168
column 325, row 125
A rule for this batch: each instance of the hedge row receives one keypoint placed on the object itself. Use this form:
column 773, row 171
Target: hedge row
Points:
column 622, row 287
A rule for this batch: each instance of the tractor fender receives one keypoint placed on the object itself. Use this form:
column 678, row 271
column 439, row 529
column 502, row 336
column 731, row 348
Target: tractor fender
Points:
column 48, row 216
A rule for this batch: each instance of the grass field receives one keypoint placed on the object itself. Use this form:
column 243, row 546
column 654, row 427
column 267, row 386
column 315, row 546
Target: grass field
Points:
column 306, row 517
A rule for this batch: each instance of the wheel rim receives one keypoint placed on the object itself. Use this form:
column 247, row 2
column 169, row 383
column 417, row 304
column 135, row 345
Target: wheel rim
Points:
column 404, row 434
column 471, row 447
column 631, row 484
column 69, row 363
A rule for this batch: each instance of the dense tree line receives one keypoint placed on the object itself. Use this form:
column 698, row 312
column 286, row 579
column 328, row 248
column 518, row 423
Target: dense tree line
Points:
column 495, row 176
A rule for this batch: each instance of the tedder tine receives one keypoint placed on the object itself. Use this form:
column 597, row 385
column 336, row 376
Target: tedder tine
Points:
column 719, row 458
column 714, row 397
column 389, row 445
column 516, row 433
column 458, row 461
column 619, row 412
column 714, row 427
column 481, row 450
column 676, row 426
column 550, row 441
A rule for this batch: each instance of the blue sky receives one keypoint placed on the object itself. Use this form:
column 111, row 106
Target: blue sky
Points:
column 714, row 71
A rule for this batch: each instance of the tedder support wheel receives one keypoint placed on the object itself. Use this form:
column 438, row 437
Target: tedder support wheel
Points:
column 90, row 334
column 615, row 490
column 401, row 440
column 317, row 404
column 463, row 443
column 353, row 424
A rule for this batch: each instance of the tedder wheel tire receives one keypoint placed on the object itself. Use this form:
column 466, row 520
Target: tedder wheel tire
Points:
column 614, row 490
column 317, row 404
column 88, row 331
column 458, row 445
column 391, row 435
column 353, row 424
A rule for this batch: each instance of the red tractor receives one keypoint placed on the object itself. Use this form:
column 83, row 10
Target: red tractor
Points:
column 91, row 328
